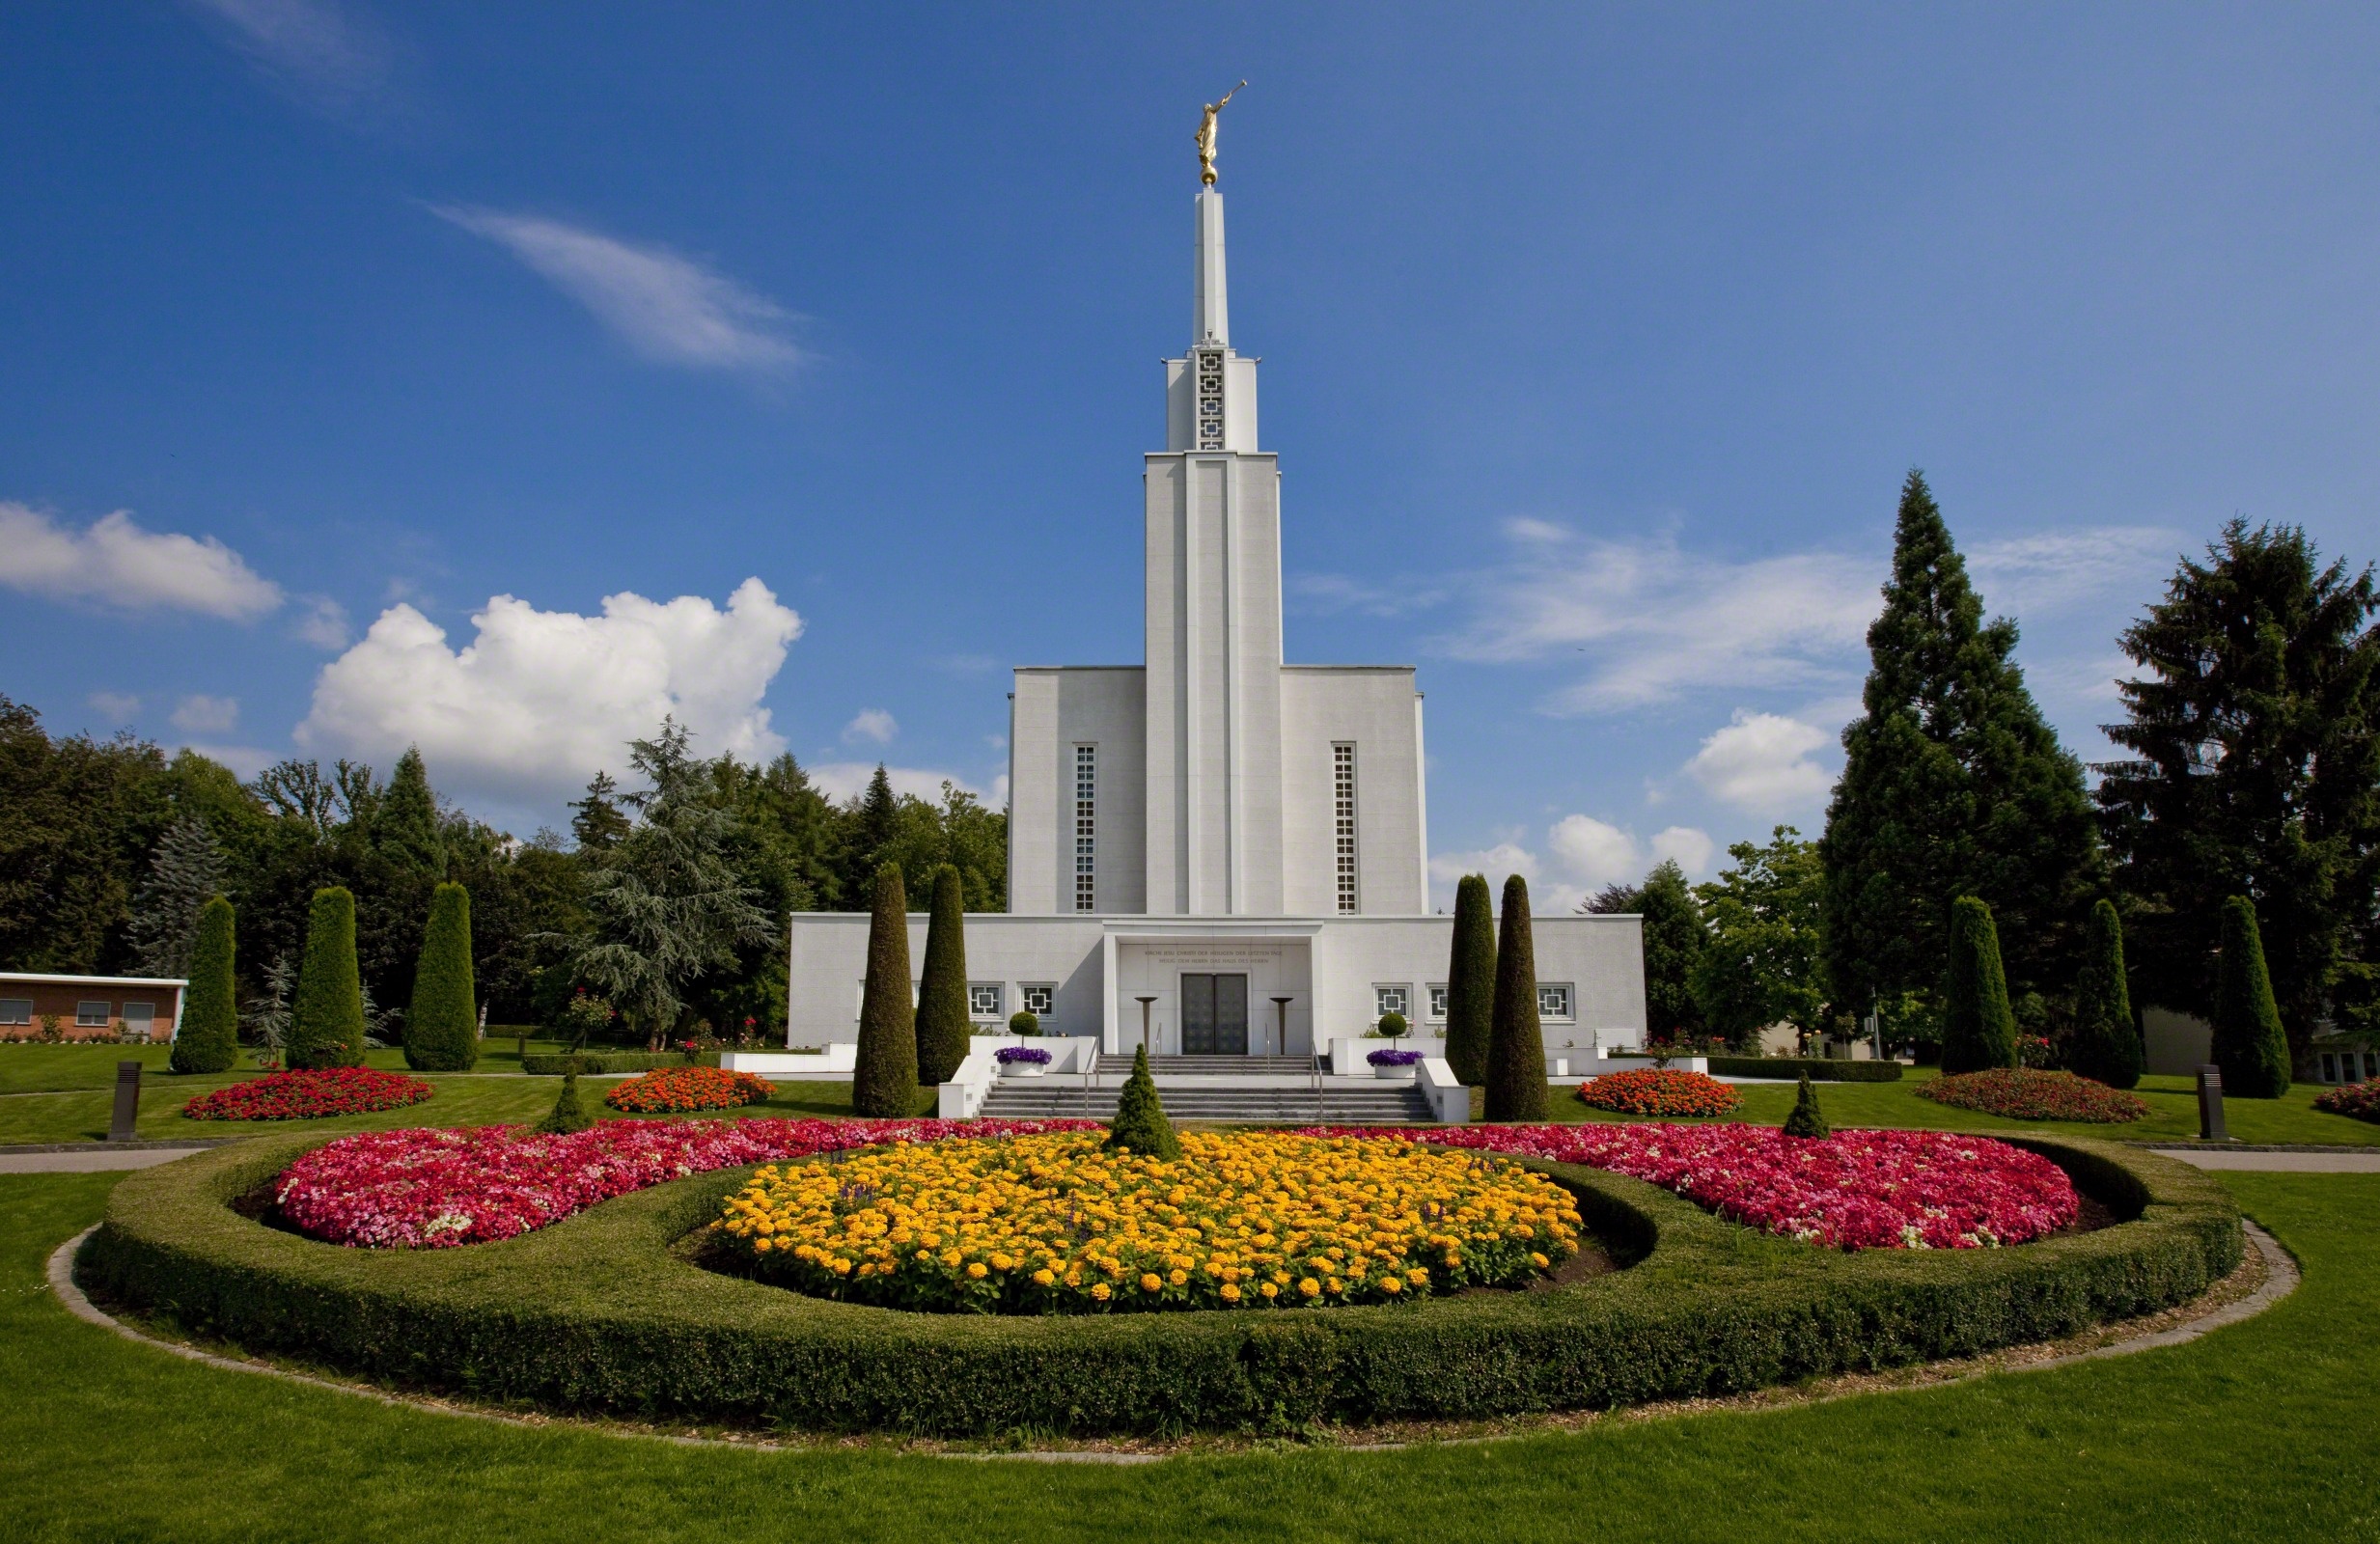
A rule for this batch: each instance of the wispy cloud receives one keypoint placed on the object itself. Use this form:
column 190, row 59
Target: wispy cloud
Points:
column 116, row 563
column 1657, row 622
column 325, row 53
column 668, row 308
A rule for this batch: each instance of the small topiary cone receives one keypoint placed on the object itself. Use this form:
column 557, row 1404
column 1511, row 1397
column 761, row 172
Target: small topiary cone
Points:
column 1141, row 1125
column 1806, row 1119
column 568, row 1114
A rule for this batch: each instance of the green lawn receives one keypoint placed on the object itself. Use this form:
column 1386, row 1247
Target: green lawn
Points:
column 2263, row 1430
column 2173, row 1113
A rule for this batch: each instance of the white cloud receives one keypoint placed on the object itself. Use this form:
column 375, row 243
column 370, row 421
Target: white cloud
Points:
column 116, row 707
column 540, row 700
column 323, row 624
column 117, row 562
column 319, row 49
column 846, row 779
column 1759, row 762
column 666, row 307
column 202, row 715
column 1656, row 622
column 872, row 724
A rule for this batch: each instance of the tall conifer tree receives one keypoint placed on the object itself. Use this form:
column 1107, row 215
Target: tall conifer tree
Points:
column 884, row 1083
column 1471, row 980
column 1978, row 1027
column 442, row 1028
column 2247, row 1042
column 1517, row 1037
column 942, row 993
column 326, row 1017
column 2106, row 1046
column 208, row 1037
column 1952, row 785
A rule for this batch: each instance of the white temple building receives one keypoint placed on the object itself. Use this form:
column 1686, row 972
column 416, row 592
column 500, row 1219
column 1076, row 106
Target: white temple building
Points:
column 1236, row 848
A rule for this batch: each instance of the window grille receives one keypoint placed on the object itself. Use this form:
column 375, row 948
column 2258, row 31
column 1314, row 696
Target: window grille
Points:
column 1343, row 822
column 1086, row 828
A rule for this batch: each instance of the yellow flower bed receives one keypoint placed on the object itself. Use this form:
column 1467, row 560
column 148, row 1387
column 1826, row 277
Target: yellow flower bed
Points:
column 1056, row 1224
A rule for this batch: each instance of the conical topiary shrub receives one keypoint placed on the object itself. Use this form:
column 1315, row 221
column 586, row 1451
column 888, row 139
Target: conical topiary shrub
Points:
column 2248, row 1043
column 2106, row 1046
column 1141, row 1125
column 884, row 1080
column 1979, row 1028
column 208, row 1037
column 568, row 1114
column 442, row 1027
column 327, row 1015
column 942, row 993
column 1806, row 1119
column 1471, row 980
column 1516, row 1039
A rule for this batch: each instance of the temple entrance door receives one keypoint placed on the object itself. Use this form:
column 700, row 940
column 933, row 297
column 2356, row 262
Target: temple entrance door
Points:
column 1214, row 1015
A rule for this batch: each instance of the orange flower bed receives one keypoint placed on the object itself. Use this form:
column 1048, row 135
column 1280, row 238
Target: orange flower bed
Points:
column 1660, row 1092
column 682, row 1091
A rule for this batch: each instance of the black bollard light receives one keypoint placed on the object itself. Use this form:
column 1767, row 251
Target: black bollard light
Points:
column 2210, row 1104
column 127, row 1101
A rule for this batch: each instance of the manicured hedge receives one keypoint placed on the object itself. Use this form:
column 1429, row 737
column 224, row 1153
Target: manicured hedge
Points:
column 595, row 1313
column 1816, row 1068
column 594, row 1063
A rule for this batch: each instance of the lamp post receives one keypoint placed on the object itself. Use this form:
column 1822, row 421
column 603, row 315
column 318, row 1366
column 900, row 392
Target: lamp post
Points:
column 1281, row 1036
column 1144, row 1002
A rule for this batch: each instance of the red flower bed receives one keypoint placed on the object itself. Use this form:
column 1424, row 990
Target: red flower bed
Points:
column 682, row 1091
column 425, row 1189
column 2025, row 1093
column 1660, row 1092
column 2361, row 1100
column 303, row 1096
column 1853, row 1190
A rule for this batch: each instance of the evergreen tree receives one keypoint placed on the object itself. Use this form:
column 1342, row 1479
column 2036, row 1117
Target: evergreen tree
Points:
column 1676, row 938
column 404, row 820
column 1471, row 982
column 442, row 1027
column 1952, row 785
column 1978, row 1027
column 568, row 1114
column 885, row 1082
column 326, row 1018
column 2106, row 1046
column 1140, row 1124
column 2254, row 722
column 942, row 1022
column 2247, row 1042
column 186, row 872
column 1806, row 1120
column 597, row 823
column 1516, row 1039
column 1761, row 963
column 208, row 1038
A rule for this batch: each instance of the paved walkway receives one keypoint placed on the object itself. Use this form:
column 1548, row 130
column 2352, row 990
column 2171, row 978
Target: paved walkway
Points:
column 2288, row 1163
column 93, row 1162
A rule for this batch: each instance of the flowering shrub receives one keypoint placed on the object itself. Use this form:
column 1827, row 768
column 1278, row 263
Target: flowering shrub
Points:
column 2026, row 1093
column 1059, row 1224
column 678, row 1091
column 1660, row 1092
column 1394, row 1059
column 423, row 1189
column 2361, row 1100
column 1853, row 1190
column 1009, row 1055
column 305, row 1094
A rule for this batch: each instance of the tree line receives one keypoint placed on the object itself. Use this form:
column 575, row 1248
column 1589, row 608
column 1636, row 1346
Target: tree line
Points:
column 668, row 901
column 2244, row 814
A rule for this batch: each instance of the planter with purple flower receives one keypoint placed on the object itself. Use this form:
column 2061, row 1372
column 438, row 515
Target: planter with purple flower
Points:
column 1022, row 1060
column 1395, row 1065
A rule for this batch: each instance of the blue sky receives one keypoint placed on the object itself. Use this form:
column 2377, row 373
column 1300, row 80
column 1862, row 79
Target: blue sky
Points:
column 793, row 371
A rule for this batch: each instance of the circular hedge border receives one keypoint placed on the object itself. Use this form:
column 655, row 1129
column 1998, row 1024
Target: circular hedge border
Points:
column 597, row 1314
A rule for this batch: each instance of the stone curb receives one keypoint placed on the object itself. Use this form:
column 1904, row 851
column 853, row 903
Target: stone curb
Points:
column 2282, row 1278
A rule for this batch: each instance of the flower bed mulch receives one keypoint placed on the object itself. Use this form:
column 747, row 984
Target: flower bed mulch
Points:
column 2361, row 1100
column 429, row 1189
column 305, row 1094
column 1662, row 1091
column 1854, row 1190
column 684, row 1090
column 2028, row 1093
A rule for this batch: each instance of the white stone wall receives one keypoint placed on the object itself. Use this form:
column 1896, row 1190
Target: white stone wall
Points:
column 1051, row 712
column 1375, row 709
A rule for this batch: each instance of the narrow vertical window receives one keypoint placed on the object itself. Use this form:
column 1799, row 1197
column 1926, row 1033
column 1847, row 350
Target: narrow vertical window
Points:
column 1343, row 822
column 1086, row 828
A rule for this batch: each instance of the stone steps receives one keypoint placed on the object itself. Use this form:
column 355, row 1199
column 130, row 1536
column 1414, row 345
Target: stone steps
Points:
column 1388, row 1103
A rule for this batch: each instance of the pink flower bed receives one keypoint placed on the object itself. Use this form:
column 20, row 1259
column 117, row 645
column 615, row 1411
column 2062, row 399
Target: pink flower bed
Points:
column 1853, row 1190
column 434, row 1189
